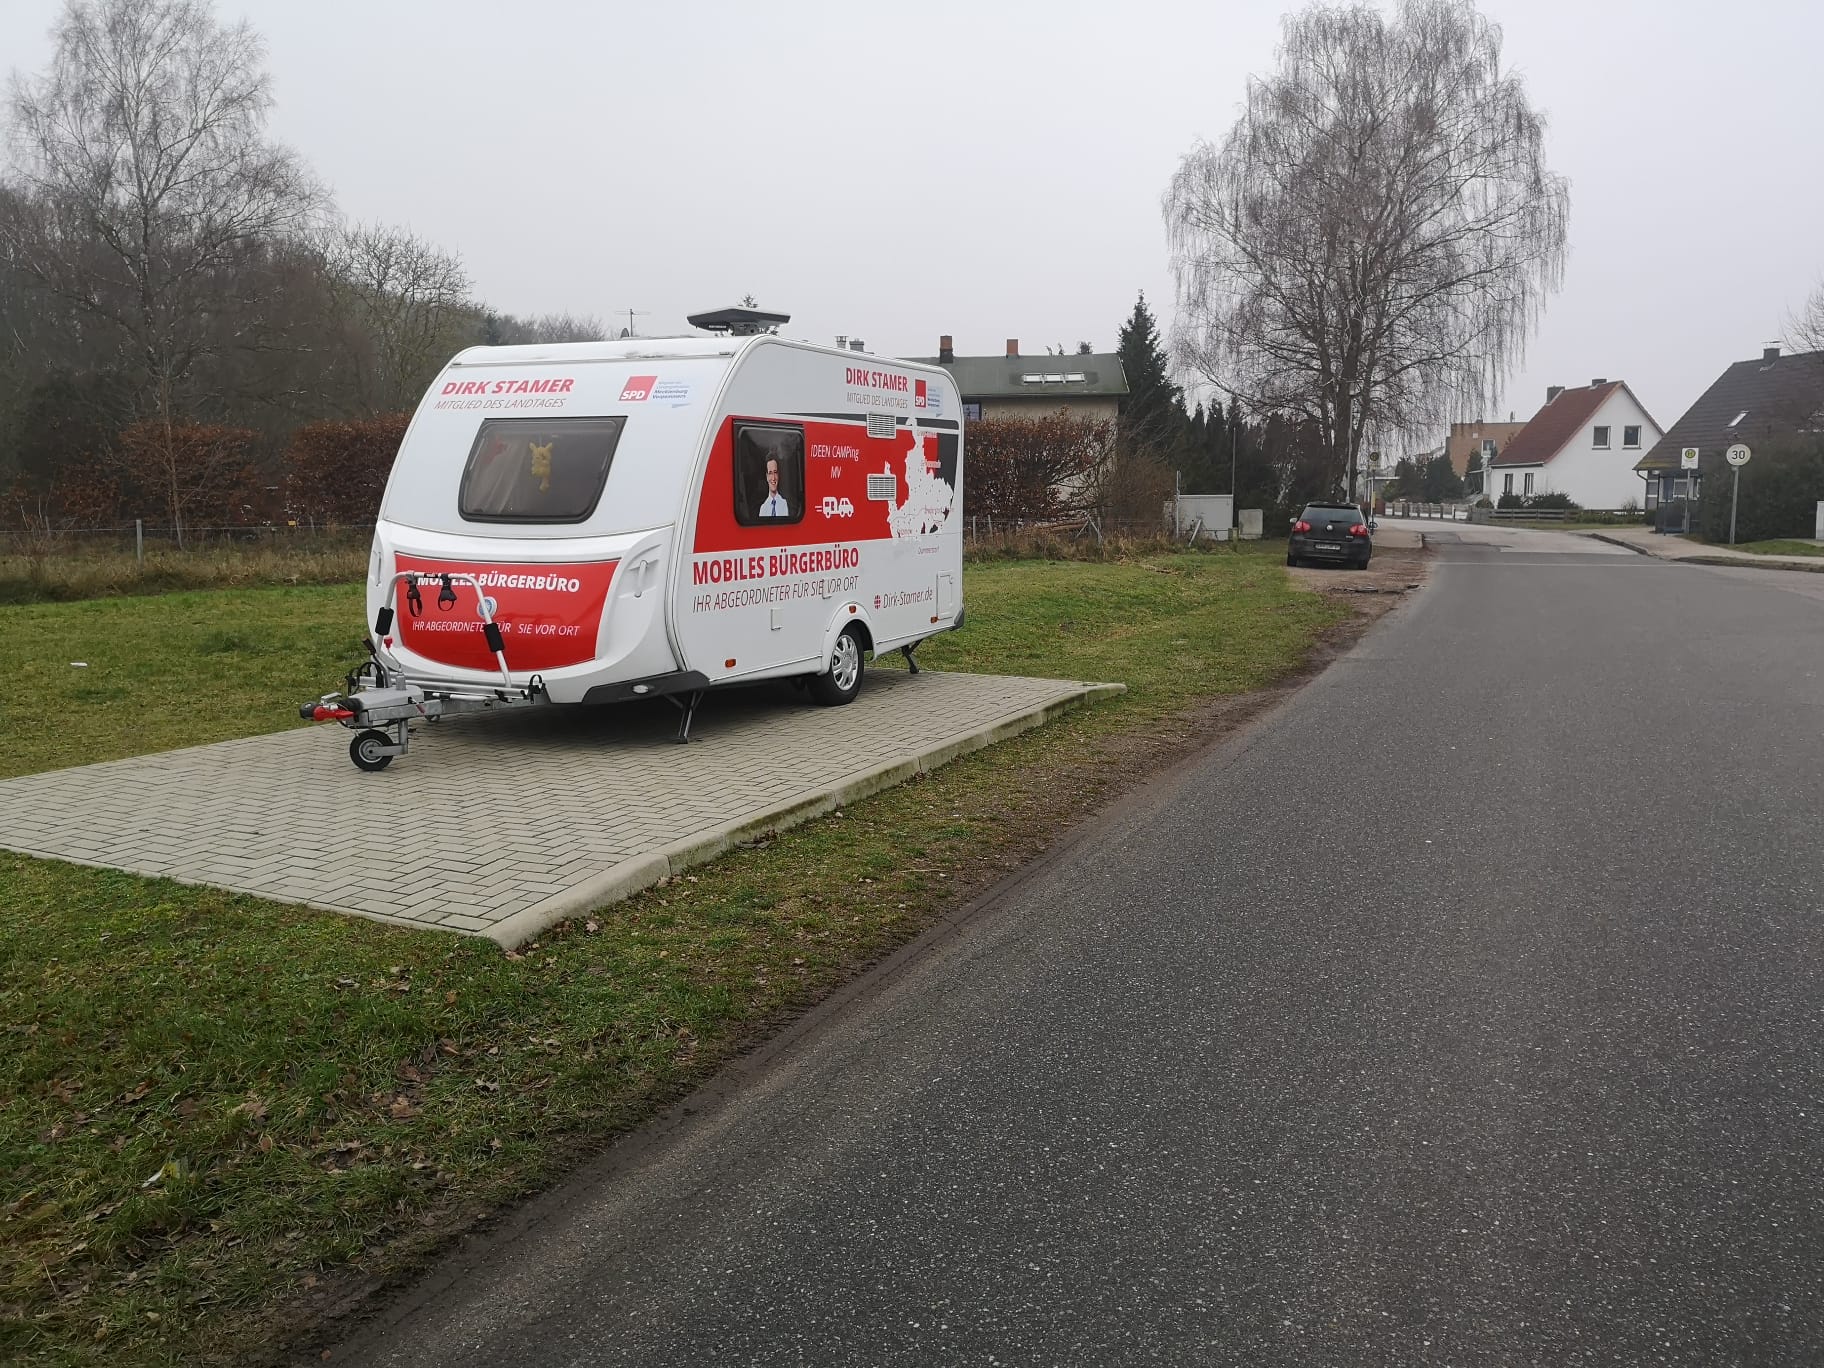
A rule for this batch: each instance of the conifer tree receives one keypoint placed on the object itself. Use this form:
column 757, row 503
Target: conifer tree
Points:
column 1152, row 418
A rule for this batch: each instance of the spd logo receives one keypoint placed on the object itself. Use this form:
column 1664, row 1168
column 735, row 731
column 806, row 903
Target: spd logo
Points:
column 918, row 394
column 834, row 507
column 638, row 389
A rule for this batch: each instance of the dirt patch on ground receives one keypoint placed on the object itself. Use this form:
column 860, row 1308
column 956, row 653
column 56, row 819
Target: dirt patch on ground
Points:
column 1393, row 571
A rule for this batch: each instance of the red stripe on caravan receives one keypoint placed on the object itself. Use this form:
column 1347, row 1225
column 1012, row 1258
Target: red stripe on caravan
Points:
column 549, row 614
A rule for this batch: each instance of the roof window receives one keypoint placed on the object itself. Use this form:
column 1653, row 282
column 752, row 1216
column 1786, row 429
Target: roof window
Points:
column 1054, row 379
column 1075, row 377
column 1738, row 417
column 1032, row 379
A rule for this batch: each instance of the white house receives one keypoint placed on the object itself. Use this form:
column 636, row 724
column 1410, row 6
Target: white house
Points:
column 1584, row 443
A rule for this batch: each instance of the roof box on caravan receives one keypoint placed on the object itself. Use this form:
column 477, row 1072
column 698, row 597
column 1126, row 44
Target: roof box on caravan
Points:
column 739, row 322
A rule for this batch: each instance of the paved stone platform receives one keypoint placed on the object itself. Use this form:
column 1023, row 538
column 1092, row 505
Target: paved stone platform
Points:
column 503, row 825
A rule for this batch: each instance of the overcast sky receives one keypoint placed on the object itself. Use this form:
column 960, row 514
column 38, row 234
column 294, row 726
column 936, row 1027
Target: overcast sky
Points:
column 994, row 169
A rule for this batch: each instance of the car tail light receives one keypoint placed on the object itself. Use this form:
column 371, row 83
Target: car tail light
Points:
column 1359, row 530
column 1301, row 526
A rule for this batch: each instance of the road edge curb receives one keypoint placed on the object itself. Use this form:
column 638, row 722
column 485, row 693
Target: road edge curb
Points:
column 1626, row 546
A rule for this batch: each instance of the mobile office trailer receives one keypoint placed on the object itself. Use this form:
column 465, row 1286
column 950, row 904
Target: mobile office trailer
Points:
column 595, row 522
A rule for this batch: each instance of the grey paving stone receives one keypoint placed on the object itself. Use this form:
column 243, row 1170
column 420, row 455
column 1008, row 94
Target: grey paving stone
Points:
column 488, row 817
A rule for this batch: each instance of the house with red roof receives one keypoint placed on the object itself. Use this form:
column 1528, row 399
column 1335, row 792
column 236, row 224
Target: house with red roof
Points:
column 1584, row 443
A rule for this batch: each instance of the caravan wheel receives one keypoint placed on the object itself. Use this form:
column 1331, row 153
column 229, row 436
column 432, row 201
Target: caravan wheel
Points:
column 843, row 681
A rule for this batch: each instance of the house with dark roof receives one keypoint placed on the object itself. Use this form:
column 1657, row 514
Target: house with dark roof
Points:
column 1583, row 443
column 1751, row 401
column 1089, row 385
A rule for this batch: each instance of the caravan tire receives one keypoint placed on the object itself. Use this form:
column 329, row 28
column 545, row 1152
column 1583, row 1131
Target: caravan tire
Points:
column 842, row 681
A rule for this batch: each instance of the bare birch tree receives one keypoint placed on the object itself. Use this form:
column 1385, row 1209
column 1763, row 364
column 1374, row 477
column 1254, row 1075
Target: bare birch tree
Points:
column 1371, row 245
column 144, row 148
column 1805, row 329
column 403, row 306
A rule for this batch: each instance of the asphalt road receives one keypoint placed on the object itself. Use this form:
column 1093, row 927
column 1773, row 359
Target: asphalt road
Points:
column 1467, row 1011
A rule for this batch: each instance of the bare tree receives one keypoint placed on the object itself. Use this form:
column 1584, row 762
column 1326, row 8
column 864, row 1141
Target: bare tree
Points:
column 1371, row 245
column 143, row 150
column 506, row 329
column 1805, row 329
column 402, row 306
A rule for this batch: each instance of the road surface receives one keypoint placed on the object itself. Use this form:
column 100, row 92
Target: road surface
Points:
column 1470, row 1010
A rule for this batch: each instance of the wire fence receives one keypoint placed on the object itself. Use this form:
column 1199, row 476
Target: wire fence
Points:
column 135, row 558
column 142, row 539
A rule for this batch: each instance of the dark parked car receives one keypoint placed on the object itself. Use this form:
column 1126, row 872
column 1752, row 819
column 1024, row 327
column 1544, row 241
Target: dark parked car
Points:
column 1336, row 533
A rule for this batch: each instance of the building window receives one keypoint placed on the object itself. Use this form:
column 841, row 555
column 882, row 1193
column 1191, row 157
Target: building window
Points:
column 1602, row 439
column 1681, row 489
column 1507, row 483
column 1529, row 482
column 972, row 411
column 1630, row 437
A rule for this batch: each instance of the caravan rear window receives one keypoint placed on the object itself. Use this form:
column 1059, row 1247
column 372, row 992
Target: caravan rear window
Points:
column 542, row 470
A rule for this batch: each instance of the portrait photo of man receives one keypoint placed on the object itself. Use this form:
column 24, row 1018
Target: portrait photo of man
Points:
column 768, row 473
column 774, row 505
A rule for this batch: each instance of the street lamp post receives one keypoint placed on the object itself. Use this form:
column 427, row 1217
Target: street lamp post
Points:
column 1234, row 512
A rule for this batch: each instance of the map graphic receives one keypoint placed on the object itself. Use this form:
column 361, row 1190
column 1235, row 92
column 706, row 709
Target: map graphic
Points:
column 929, row 498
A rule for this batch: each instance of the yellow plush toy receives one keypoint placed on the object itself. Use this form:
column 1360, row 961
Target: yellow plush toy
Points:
column 541, row 463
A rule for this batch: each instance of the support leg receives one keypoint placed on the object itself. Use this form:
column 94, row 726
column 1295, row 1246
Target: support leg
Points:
column 906, row 651
column 687, row 712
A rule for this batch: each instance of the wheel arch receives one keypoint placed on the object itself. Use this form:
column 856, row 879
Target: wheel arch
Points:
column 845, row 616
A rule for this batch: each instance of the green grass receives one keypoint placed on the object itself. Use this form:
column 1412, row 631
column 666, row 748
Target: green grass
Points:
column 1170, row 627
column 213, row 1107
column 1777, row 547
column 103, row 678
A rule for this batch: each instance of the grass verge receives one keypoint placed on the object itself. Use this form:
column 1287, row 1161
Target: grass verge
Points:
column 123, row 676
column 222, row 1116
column 69, row 574
column 1777, row 547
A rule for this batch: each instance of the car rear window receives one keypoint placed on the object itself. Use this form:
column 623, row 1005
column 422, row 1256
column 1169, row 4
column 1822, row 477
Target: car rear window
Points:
column 1326, row 513
column 542, row 470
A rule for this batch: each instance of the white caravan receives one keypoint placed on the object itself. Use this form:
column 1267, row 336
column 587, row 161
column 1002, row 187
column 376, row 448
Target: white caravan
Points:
column 599, row 521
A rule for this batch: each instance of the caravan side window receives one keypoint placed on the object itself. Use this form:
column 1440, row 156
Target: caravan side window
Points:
column 769, row 474
column 538, row 470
